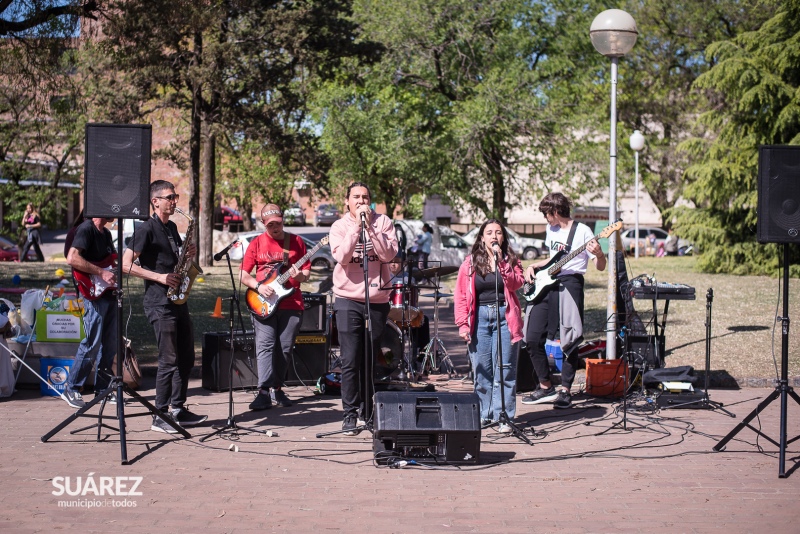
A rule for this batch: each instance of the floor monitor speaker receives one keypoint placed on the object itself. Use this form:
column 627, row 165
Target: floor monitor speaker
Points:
column 442, row 427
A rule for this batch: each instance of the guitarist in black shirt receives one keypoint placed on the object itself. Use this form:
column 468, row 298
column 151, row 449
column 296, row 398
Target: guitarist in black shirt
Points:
column 91, row 256
column 559, row 306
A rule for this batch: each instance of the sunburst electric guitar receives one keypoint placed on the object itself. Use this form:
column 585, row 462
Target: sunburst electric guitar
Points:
column 545, row 276
column 92, row 286
column 276, row 278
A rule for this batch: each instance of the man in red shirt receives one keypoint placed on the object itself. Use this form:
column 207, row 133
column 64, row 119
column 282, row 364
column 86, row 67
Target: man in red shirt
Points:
column 273, row 253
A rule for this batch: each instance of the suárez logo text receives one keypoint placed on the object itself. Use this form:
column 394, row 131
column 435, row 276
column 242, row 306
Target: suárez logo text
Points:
column 119, row 486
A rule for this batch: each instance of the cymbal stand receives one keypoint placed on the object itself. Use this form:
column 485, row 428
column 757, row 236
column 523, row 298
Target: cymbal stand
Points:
column 435, row 347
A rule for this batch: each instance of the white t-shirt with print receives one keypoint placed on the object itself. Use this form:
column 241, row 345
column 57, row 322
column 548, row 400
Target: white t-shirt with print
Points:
column 556, row 240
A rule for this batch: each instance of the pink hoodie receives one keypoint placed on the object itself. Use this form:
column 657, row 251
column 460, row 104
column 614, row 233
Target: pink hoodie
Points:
column 464, row 300
column 348, row 274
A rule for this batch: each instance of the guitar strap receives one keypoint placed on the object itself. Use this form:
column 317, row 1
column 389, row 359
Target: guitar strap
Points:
column 286, row 249
column 571, row 235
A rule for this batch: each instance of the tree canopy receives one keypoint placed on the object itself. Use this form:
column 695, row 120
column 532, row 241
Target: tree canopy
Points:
column 755, row 91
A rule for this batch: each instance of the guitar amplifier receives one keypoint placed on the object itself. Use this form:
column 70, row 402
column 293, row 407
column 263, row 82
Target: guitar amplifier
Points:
column 646, row 351
column 217, row 361
column 309, row 359
column 315, row 313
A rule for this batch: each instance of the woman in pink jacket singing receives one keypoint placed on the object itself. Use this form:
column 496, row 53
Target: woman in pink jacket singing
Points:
column 481, row 315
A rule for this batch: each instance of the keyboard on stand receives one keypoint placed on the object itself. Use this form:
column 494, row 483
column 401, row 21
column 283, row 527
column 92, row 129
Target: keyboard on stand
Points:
column 663, row 291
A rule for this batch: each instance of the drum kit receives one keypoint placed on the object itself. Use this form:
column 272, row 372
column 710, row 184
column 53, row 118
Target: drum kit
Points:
column 406, row 321
column 407, row 350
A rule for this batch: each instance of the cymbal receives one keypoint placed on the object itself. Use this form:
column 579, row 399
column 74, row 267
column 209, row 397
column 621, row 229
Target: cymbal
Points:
column 433, row 295
column 431, row 272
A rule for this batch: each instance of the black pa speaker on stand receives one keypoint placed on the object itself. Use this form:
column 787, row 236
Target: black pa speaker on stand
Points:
column 778, row 222
column 117, row 171
column 779, row 194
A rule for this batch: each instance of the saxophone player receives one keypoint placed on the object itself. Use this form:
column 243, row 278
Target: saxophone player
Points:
column 156, row 244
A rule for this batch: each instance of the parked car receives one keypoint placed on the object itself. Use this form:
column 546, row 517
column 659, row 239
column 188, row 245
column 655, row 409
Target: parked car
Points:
column 10, row 252
column 629, row 235
column 447, row 246
column 526, row 247
column 326, row 214
column 231, row 219
column 321, row 259
column 294, row 215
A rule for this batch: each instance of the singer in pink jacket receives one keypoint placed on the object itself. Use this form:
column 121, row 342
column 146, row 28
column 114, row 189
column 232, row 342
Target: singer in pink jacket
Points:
column 481, row 315
column 348, row 285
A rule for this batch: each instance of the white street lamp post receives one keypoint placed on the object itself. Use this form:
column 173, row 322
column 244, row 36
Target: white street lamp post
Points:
column 613, row 33
column 637, row 143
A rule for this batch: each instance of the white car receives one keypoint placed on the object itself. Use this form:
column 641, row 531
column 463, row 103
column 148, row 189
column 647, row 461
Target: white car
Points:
column 447, row 246
column 526, row 247
column 659, row 236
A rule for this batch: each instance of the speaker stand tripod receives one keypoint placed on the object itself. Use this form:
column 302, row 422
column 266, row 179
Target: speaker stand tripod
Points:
column 782, row 390
column 117, row 385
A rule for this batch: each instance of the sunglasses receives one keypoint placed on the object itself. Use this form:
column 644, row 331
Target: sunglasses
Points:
column 172, row 198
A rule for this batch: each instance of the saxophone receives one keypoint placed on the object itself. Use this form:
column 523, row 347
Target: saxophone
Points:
column 186, row 268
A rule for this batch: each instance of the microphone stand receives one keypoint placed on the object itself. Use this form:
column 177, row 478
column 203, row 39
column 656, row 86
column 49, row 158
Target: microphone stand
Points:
column 230, row 425
column 503, row 418
column 369, row 386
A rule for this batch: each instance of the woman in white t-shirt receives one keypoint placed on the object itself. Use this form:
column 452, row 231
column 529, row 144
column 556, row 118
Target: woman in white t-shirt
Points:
column 561, row 302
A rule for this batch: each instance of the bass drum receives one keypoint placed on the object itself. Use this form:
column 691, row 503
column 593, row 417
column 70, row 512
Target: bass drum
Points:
column 389, row 358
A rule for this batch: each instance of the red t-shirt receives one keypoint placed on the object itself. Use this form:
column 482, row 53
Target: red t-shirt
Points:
column 265, row 253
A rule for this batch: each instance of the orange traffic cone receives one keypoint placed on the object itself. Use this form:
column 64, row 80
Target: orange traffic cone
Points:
column 218, row 309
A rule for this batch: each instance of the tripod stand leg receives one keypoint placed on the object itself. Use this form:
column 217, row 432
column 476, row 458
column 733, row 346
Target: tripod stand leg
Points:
column 746, row 421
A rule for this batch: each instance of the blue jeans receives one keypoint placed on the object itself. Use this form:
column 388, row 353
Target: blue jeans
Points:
column 99, row 346
column 275, row 339
column 482, row 351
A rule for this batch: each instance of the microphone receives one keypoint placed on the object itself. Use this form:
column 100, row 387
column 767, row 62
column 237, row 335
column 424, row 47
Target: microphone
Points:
column 363, row 218
column 218, row 256
column 495, row 246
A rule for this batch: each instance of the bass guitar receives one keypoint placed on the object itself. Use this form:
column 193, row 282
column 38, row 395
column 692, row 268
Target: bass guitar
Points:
column 545, row 276
column 92, row 286
column 264, row 307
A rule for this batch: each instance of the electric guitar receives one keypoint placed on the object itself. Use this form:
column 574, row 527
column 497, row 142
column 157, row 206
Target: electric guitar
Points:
column 92, row 286
column 264, row 307
column 545, row 276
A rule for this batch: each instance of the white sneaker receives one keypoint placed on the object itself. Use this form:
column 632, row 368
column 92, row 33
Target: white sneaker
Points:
column 504, row 428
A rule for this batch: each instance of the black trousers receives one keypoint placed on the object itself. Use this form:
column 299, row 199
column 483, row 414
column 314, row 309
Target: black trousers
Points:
column 351, row 326
column 545, row 322
column 175, row 337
